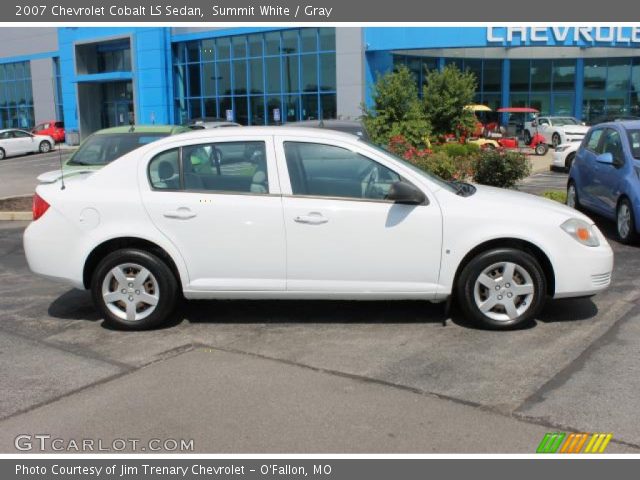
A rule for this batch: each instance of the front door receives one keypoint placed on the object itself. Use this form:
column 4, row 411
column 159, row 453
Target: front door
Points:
column 219, row 204
column 342, row 236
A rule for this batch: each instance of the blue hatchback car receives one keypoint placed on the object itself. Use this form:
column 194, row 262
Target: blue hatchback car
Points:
column 605, row 176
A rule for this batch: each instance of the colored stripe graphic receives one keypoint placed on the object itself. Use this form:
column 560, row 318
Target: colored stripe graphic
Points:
column 550, row 443
column 558, row 442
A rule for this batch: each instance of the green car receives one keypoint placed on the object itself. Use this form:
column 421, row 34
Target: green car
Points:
column 104, row 146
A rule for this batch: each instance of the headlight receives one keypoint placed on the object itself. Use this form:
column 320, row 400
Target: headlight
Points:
column 581, row 231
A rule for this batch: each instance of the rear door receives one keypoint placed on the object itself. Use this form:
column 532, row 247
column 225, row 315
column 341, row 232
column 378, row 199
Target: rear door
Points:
column 219, row 203
column 23, row 142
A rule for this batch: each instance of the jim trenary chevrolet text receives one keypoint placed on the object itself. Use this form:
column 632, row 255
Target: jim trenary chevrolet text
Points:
column 295, row 213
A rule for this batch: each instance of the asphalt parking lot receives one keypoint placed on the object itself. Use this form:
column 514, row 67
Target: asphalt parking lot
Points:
column 269, row 376
column 18, row 174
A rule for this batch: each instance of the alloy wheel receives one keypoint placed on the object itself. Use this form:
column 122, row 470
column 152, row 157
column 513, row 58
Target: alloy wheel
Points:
column 624, row 220
column 504, row 291
column 130, row 292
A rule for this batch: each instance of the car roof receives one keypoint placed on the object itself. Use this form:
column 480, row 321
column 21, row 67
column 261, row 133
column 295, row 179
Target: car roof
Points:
column 143, row 129
column 13, row 130
column 244, row 132
column 628, row 124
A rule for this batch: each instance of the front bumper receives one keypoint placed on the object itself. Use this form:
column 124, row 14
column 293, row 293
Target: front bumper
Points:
column 585, row 270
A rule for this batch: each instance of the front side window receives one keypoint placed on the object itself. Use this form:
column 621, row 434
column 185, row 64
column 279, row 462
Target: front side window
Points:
column 612, row 143
column 593, row 139
column 226, row 167
column 330, row 171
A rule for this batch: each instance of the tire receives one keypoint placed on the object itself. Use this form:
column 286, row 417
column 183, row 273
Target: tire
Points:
column 555, row 140
column 572, row 196
column 44, row 147
column 127, row 303
column 527, row 137
column 2, row 154
column 625, row 223
column 486, row 299
column 541, row 149
column 569, row 161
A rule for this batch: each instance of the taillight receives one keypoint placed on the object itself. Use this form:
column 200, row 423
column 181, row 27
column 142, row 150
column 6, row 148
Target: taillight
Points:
column 40, row 206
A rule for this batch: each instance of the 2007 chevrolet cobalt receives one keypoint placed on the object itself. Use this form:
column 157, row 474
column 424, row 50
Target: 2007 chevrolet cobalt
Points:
column 276, row 212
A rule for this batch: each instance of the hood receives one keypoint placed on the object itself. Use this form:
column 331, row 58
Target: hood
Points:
column 519, row 202
column 55, row 175
column 576, row 129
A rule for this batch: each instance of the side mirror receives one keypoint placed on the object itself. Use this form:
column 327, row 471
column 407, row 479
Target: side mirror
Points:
column 605, row 158
column 406, row 194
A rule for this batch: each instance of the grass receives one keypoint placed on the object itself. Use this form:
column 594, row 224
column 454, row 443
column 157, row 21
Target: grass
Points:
column 557, row 195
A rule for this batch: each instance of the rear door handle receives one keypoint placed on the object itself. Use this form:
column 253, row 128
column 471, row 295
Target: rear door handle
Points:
column 313, row 218
column 182, row 213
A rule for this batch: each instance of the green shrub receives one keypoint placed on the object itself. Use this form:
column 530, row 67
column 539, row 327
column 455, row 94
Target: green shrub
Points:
column 455, row 149
column 557, row 195
column 444, row 166
column 500, row 168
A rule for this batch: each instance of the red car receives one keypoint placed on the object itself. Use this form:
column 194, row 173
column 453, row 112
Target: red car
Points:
column 52, row 128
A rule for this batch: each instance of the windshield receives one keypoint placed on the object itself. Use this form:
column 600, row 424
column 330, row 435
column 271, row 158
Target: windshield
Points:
column 562, row 121
column 104, row 148
column 634, row 143
column 433, row 178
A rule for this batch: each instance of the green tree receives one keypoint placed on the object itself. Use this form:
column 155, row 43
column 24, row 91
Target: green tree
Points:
column 397, row 110
column 445, row 95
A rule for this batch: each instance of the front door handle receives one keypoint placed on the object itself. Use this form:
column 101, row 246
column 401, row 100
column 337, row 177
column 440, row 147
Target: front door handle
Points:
column 181, row 213
column 313, row 218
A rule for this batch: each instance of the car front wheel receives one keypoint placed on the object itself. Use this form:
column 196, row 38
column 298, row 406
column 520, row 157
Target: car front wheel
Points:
column 2, row 154
column 134, row 290
column 625, row 224
column 44, row 146
column 572, row 196
column 502, row 289
column 555, row 140
column 527, row 137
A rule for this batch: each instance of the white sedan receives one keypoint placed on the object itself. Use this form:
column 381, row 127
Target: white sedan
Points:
column 564, row 155
column 18, row 142
column 294, row 213
column 556, row 130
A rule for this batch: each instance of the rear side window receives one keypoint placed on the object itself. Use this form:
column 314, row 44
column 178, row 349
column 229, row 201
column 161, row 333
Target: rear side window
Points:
column 330, row 171
column 226, row 167
column 593, row 139
column 59, row 125
column 164, row 170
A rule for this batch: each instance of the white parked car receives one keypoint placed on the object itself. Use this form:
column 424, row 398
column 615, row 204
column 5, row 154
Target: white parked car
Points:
column 294, row 213
column 18, row 142
column 556, row 130
column 564, row 155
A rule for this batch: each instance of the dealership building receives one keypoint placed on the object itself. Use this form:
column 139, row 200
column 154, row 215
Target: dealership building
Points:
column 97, row 77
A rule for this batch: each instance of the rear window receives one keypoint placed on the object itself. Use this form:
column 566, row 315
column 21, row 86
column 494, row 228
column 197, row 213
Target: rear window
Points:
column 104, row 148
column 59, row 125
column 634, row 143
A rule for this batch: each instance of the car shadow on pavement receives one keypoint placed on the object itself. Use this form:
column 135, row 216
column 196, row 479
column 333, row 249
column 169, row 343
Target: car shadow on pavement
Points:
column 74, row 305
column 311, row 311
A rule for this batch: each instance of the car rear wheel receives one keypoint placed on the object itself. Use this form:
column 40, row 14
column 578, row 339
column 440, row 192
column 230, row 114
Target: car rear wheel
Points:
column 625, row 224
column 555, row 140
column 502, row 289
column 134, row 290
column 541, row 149
column 572, row 196
column 527, row 137
column 44, row 146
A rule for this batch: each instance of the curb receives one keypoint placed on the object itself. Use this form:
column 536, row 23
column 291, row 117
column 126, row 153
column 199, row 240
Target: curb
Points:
column 21, row 216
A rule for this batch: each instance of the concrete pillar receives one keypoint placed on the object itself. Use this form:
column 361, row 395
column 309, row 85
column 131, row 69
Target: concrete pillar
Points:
column 43, row 86
column 350, row 75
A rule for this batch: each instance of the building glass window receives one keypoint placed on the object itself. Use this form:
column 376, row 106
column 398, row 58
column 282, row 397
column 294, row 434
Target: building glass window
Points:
column 16, row 96
column 610, row 87
column 290, row 74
